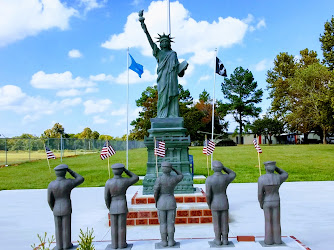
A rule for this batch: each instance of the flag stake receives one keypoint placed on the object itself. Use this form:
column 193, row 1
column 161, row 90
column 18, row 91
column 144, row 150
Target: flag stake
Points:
column 207, row 157
column 156, row 157
column 258, row 156
column 47, row 159
column 108, row 160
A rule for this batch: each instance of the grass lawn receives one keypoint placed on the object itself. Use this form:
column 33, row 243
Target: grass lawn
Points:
column 302, row 162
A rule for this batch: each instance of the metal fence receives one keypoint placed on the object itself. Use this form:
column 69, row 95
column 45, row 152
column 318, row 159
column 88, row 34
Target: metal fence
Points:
column 16, row 150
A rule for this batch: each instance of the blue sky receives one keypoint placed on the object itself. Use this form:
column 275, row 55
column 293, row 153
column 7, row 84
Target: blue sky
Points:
column 66, row 61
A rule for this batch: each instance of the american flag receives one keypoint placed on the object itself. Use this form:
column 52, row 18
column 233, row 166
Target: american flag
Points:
column 107, row 151
column 209, row 147
column 49, row 153
column 257, row 147
column 160, row 149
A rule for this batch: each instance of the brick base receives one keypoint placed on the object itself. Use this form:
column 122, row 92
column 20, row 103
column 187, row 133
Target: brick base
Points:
column 196, row 216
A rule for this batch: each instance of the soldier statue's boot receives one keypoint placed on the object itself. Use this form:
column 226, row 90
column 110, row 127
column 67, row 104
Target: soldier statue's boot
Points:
column 225, row 239
column 171, row 241
column 164, row 239
column 217, row 239
column 124, row 245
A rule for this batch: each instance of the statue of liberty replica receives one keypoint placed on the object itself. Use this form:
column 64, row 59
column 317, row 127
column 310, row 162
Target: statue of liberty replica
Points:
column 168, row 126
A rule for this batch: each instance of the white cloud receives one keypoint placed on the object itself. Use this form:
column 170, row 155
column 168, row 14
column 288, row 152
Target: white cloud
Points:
column 204, row 78
column 99, row 106
column 9, row 95
column 262, row 65
column 121, row 111
column 42, row 80
column 76, row 92
column 92, row 4
column 261, row 23
column 198, row 38
column 70, row 92
column 122, row 78
column 23, row 18
column 98, row 120
column 74, row 53
column 32, row 107
column 91, row 90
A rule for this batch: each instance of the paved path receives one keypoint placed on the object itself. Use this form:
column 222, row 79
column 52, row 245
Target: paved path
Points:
column 307, row 212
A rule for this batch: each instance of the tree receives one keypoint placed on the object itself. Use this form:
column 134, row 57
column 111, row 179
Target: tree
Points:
column 327, row 44
column 106, row 137
column 86, row 134
column 54, row 132
column 268, row 127
column 148, row 103
column 240, row 90
column 286, row 103
column 278, row 86
column 311, row 102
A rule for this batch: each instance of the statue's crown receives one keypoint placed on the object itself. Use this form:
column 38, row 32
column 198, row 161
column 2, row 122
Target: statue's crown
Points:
column 165, row 37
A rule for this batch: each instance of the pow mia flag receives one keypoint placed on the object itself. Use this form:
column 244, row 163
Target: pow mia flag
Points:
column 220, row 68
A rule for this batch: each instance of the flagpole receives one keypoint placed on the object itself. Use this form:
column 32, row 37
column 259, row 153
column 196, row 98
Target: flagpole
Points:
column 169, row 31
column 108, row 160
column 213, row 103
column 156, row 157
column 47, row 158
column 258, row 157
column 127, row 117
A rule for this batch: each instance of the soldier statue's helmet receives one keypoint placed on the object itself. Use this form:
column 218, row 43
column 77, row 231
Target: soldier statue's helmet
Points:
column 166, row 164
column 217, row 164
column 117, row 166
column 61, row 167
column 270, row 165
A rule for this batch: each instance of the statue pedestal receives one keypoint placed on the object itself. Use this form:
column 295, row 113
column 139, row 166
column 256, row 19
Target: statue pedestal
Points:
column 173, row 133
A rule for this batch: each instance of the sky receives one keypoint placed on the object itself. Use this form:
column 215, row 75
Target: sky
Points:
column 66, row 61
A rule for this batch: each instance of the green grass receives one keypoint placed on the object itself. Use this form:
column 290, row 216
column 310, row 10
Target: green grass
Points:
column 20, row 156
column 302, row 162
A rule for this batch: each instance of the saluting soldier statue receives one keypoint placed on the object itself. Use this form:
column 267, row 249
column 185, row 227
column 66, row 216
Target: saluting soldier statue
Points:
column 269, row 200
column 115, row 198
column 216, row 198
column 59, row 192
column 165, row 202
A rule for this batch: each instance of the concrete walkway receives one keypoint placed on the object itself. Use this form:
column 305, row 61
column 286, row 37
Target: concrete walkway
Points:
column 307, row 213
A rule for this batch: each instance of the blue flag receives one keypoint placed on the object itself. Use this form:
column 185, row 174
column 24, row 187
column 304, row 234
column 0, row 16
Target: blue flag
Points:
column 136, row 67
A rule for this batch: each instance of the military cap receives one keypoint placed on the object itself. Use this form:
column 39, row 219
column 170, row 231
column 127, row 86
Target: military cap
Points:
column 166, row 164
column 217, row 164
column 117, row 165
column 61, row 167
column 269, row 163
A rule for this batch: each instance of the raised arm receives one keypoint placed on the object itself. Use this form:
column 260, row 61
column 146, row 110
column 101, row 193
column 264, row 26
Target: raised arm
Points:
column 231, row 173
column 78, row 179
column 143, row 25
column 179, row 174
column 283, row 175
column 133, row 177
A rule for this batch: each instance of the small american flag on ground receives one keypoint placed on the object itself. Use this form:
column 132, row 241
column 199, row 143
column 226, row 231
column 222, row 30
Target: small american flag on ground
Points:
column 107, row 151
column 209, row 147
column 159, row 149
column 257, row 147
column 49, row 153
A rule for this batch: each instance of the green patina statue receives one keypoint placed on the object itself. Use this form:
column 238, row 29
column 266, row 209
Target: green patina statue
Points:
column 168, row 70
